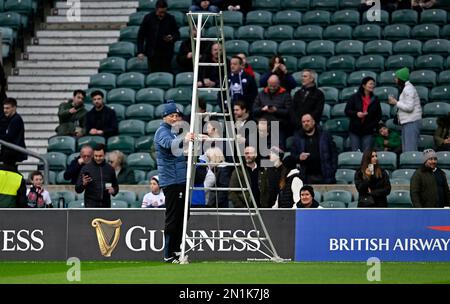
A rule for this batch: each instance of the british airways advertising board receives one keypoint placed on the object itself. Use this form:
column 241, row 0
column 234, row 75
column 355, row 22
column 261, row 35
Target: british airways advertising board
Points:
column 388, row 234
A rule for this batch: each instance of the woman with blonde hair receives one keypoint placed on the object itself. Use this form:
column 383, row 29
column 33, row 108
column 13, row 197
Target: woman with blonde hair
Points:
column 221, row 173
column 124, row 174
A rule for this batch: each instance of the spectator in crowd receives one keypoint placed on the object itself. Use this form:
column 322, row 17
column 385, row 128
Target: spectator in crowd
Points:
column 245, row 65
column 98, row 181
column 307, row 198
column 270, row 178
column 172, row 168
column 241, row 118
column 198, row 197
column 409, row 114
column 12, row 129
column 252, row 170
column 421, row 5
column 155, row 198
column 208, row 76
column 72, row 116
column 442, row 134
column 13, row 189
column 156, row 38
column 316, row 151
column 185, row 53
column 73, row 169
column 308, row 99
column 2, row 86
column 290, row 184
column 222, row 174
column 277, row 67
column 37, row 196
column 372, row 182
column 428, row 186
column 274, row 103
column 243, row 6
column 388, row 140
column 206, row 6
column 364, row 111
column 101, row 120
column 124, row 174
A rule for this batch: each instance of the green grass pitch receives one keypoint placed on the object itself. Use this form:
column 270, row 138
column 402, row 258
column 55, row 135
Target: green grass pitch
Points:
column 223, row 273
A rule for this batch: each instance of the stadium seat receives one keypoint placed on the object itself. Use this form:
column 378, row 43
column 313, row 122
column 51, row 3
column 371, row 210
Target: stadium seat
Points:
column 332, row 204
column 181, row 95
column 56, row 161
column 390, row 124
column 385, row 111
column 338, row 110
column 233, row 18
column 429, row 125
column 339, row 141
column 396, row 62
column 290, row 62
column 337, row 126
column 184, row 79
column 380, row 17
column 91, row 140
column 370, row 62
column 259, row 64
column 288, row 17
column 76, row 204
column 426, row 78
column 387, row 160
column 250, row 33
column 141, row 161
column 320, row 47
column 129, row 34
column 119, row 109
column 122, row 49
column 396, row 32
column 344, row 63
column 331, row 95
column 127, row 196
column 152, row 126
column 354, row 79
column 326, row 112
column 123, row 143
column 132, row 127
column 399, row 199
column 137, row 65
column 338, row 196
column 51, row 177
column 386, row 78
column 345, row 176
column 336, row 79
column 404, row 16
column 234, row 47
column 349, row 160
column 209, row 95
column 213, row 31
column 403, row 173
column 430, row 61
column 105, row 81
column 367, row 32
column 317, row 17
column 123, row 96
column 178, row 5
column 347, row 93
column 160, row 80
column 143, row 143
column 118, row 203
column 440, row 93
column 259, row 17
column 12, row 20
column 279, row 32
column 139, row 175
column 347, row 16
column 316, row 63
column 434, row 109
column 408, row 47
column 114, row 65
column 153, row 96
column 352, row 4
column 399, row 181
column 423, row 93
column 63, row 144
column 425, row 31
column 137, row 17
column 308, row 32
column 61, row 198
column 383, row 92
column 184, row 32
column 144, row 112
column 23, row 7
column 444, row 77
column 263, row 48
column 337, row 32
column 349, row 47
column 434, row 16
column 445, row 32
column 426, row 142
column 437, row 46
column 132, row 80
column 269, row 5
column 327, row 5
column 410, row 160
column 378, row 47
column 297, row 5
column 60, row 180
column 443, row 160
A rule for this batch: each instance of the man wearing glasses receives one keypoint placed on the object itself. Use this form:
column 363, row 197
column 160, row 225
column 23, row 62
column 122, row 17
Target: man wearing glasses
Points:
column 74, row 168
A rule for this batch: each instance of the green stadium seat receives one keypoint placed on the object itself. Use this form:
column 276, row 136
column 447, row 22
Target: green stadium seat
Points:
column 115, row 203
column 343, row 196
column 91, row 140
column 337, row 32
column 23, row 7
column 370, row 62
column 347, row 16
column 444, row 77
column 64, row 144
column 336, row 79
column 11, row 19
column 178, row 5
column 396, row 62
column 332, row 204
column 308, row 32
column 411, row 160
column 338, row 110
column 383, row 92
column 233, row 18
column 124, row 49
column 345, row 176
column 347, row 93
column 296, row 5
column 320, row 47
column 65, row 197
column 327, row 5
column 152, row 126
column 184, row 79
column 141, row 161
column 381, row 15
column 445, row 32
column 184, row 32
column 344, row 4
column 426, row 78
column 353, row 204
column 143, row 143
column 132, row 80
column 259, row 64
column 289, row 17
column 350, row 47
column 160, row 80
column 367, row 32
column 425, row 31
column 105, row 81
column 354, row 79
column 344, row 63
column 337, row 126
column 123, row 143
column 290, row 62
column 429, row 125
column 426, row 142
column 250, row 33
column 399, row 199
column 114, row 65
column 316, row 63
column 213, row 32
column 259, row 17
column 146, row 5
column 326, row 112
column 437, row 46
column 385, row 111
column 317, row 17
column 132, row 127
column 208, row 96
column 403, row 173
column 234, row 47
column 279, row 32
column 423, row 93
column 339, row 141
column 60, row 180
column 129, row 33
column 124, row 96
column 387, row 160
column 390, row 124
column 56, row 161
column 292, row 47
column 440, row 93
column 404, row 16
column 331, row 95
column 119, row 109
column 434, row 16
column 180, row 17
column 127, row 196
column 408, row 47
column 430, row 61
column 76, row 204
column 151, row 173
column 137, row 65
column 8, row 35
column 51, row 177
column 378, row 47
column 435, row 109
column 263, row 48
column 139, row 175
column 153, row 96
column 444, row 160
column 181, row 95
column 269, row 5
column 142, row 111
column 395, row 32
column 137, row 17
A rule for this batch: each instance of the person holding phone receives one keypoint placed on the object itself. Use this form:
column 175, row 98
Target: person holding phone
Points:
column 372, row 182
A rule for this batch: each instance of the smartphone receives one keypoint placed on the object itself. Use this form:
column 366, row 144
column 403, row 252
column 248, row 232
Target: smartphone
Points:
column 371, row 168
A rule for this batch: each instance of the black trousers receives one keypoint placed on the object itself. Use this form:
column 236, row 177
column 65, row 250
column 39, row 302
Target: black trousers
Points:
column 160, row 62
column 173, row 230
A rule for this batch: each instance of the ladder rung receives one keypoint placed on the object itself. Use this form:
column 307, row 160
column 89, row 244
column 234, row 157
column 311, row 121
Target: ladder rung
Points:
column 219, row 188
column 203, row 13
column 209, row 39
column 213, row 114
column 217, row 164
column 212, row 89
column 217, row 64
column 216, row 139
column 225, row 238
column 223, row 213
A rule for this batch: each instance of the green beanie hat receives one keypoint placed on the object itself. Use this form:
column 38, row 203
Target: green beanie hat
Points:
column 402, row 74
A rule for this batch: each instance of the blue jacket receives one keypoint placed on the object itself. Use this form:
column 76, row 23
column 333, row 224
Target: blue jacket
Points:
column 171, row 168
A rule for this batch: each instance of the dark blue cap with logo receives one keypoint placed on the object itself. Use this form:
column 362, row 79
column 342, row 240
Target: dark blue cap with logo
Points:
column 170, row 108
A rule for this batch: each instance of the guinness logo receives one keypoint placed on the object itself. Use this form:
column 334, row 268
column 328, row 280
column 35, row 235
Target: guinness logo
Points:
column 108, row 233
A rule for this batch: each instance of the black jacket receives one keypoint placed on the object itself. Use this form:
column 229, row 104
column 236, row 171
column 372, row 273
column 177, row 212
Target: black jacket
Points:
column 104, row 120
column 12, row 130
column 95, row 193
column 183, row 61
column 73, row 171
column 307, row 101
column 371, row 121
column 379, row 187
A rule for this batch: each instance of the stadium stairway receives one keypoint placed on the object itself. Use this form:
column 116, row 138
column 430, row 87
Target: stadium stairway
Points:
column 60, row 58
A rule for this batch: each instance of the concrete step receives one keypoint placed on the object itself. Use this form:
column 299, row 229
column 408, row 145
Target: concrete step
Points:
column 57, row 64
column 56, row 72
column 38, row 111
column 47, row 79
column 68, row 56
column 75, row 26
column 38, row 95
column 36, row 142
column 89, row 19
column 67, row 49
column 100, row 4
column 95, row 12
column 47, row 87
column 40, row 135
column 31, row 118
column 77, row 34
column 74, row 41
column 31, row 103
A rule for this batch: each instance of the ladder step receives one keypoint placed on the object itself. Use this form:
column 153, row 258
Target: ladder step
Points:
column 217, row 164
column 224, row 213
column 215, row 139
column 213, row 114
column 225, row 238
column 209, row 39
column 220, row 188
column 211, row 89
column 216, row 64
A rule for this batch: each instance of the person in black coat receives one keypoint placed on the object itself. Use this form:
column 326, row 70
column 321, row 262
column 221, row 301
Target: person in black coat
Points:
column 73, row 169
column 2, row 86
column 101, row 120
column 156, row 38
column 185, row 53
column 12, row 128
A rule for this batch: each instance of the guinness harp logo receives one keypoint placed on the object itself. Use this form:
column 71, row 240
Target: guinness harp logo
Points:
column 108, row 233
